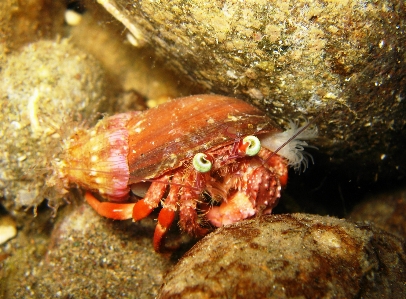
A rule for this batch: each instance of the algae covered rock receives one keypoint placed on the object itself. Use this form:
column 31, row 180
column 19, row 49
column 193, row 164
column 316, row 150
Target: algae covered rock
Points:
column 43, row 89
column 343, row 58
column 291, row 256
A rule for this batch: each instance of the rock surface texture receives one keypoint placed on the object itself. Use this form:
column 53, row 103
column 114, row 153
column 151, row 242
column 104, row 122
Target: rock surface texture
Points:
column 291, row 256
column 345, row 58
column 84, row 256
column 43, row 88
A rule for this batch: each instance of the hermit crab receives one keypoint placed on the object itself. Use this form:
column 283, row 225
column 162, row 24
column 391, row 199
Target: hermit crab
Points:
column 209, row 158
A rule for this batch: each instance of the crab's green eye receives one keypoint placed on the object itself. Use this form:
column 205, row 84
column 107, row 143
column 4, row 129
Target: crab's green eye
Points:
column 201, row 163
column 254, row 145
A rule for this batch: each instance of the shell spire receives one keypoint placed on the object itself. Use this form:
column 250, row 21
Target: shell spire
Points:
column 96, row 159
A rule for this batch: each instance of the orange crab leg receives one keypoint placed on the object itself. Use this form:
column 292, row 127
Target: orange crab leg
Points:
column 165, row 219
column 167, row 214
column 123, row 211
column 117, row 211
column 142, row 208
column 155, row 193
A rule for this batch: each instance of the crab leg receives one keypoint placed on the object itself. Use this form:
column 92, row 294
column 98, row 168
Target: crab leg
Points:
column 165, row 219
column 188, row 218
column 117, row 211
column 155, row 193
column 167, row 214
column 137, row 211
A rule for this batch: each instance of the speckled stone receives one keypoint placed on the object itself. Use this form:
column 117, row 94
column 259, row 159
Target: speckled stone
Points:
column 291, row 256
column 82, row 255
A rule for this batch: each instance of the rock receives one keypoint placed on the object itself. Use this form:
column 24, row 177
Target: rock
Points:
column 344, row 59
column 27, row 21
column 46, row 89
column 83, row 256
column 128, row 68
column 291, row 256
column 386, row 210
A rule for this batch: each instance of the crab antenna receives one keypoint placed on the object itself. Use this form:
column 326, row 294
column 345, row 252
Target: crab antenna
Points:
column 301, row 130
column 290, row 139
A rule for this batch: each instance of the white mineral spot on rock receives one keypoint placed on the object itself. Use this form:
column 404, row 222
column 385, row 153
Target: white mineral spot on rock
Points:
column 8, row 229
column 327, row 239
column 132, row 40
column 72, row 18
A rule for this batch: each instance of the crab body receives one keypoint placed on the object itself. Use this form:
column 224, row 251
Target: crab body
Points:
column 160, row 146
